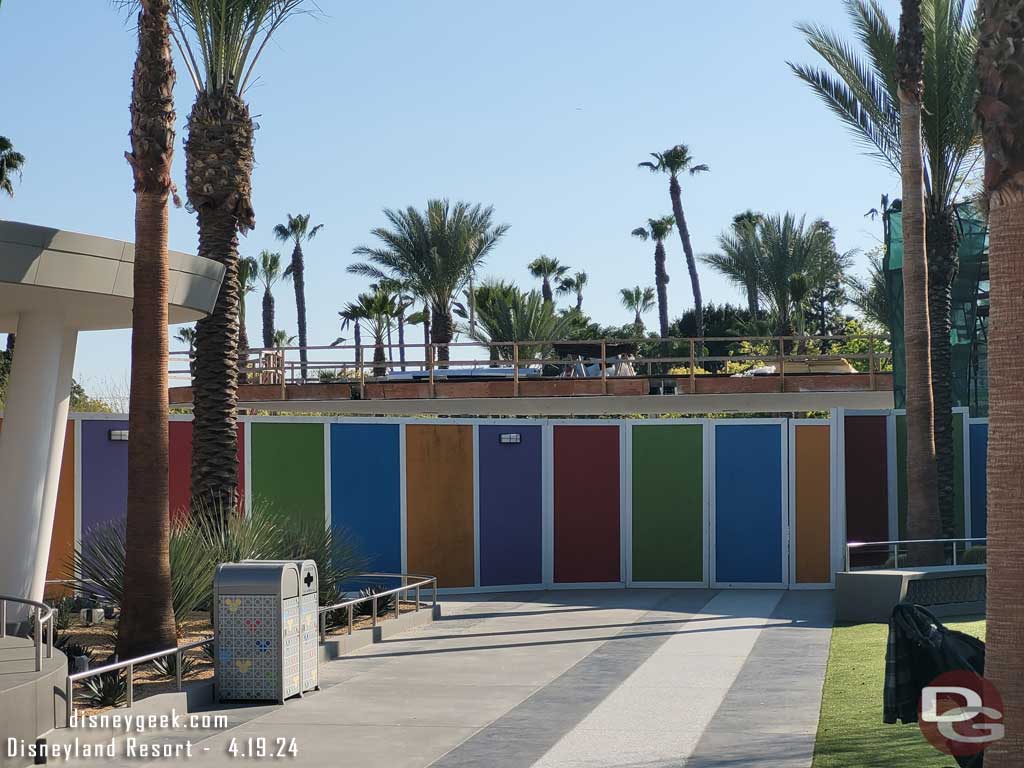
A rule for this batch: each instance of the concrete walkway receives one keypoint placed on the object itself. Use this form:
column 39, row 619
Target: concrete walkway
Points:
column 568, row 678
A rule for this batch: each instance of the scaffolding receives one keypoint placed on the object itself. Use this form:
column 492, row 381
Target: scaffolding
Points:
column 969, row 333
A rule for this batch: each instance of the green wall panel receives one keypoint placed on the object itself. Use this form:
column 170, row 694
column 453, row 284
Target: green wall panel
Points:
column 287, row 465
column 958, row 472
column 668, row 502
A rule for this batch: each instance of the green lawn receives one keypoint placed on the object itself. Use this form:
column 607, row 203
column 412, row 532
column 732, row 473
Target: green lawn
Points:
column 851, row 733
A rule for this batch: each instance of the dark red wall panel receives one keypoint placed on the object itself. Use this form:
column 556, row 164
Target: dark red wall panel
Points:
column 867, row 484
column 179, row 435
column 586, row 480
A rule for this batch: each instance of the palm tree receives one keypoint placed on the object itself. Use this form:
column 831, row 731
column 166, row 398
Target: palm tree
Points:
column 434, row 253
column 923, row 520
column 739, row 258
column 220, row 44
column 863, row 89
column 248, row 270
column 869, row 295
column 1001, row 112
column 639, row 301
column 658, row 230
column 295, row 231
column 268, row 272
column 147, row 613
column 574, row 284
column 508, row 314
column 675, row 161
column 11, row 163
column 282, row 339
column 402, row 303
column 547, row 269
column 377, row 310
column 352, row 315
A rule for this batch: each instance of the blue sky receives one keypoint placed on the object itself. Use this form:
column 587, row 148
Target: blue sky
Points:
column 541, row 109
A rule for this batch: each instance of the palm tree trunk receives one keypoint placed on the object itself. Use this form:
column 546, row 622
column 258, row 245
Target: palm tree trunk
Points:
column 545, row 290
column 243, row 344
column 1001, row 108
column 691, row 263
column 922, row 501
column 299, row 279
column 379, row 357
column 441, row 332
column 218, row 170
column 268, row 319
column 357, row 339
column 1004, row 658
column 147, row 611
column 943, row 264
column 752, row 300
column 579, row 301
column 215, row 388
column 401, row 337
column 661, row 282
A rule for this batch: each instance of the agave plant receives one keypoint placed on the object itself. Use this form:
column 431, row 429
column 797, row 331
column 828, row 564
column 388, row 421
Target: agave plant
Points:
column 109, row 689
column 167, row 666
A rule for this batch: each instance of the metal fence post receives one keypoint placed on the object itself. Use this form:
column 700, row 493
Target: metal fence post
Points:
column 417, row 597
column 177, row 668
column 373, row 622
column 350, row 615
column 604, row 367
column 38, row 640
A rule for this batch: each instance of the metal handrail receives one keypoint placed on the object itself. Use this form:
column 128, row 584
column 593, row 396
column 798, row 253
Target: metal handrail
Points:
column 130, row 665
column 895, row 544
column 43, row 614
column 421, row 582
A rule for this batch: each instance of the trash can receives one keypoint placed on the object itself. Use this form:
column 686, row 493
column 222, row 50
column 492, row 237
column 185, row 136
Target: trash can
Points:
column 257, row 630
column 309, row 620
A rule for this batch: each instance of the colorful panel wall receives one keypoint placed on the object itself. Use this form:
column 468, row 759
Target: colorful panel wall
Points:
column 668, row 502
column 979, row 478
column 867, row 483
column 812, row 501
column 586, row 504
column 511, row 505
column 748, row 504
column 288, row 468
column 104, row 474
column 366, row 500
column 439, row 502
column 179, row 438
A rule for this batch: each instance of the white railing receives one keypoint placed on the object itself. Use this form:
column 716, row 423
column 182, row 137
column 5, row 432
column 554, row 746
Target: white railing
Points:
column 130, row 665
column 42, row 615
column 407, row 586
column 895, row 545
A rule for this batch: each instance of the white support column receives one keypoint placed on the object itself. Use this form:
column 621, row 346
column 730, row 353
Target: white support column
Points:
column 31, row 448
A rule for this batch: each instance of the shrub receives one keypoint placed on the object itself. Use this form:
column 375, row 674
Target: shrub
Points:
column 208, row 537
column 109, row 689
column 384, row 604
column 63, row 607
column 974, row 556
column 167, row 666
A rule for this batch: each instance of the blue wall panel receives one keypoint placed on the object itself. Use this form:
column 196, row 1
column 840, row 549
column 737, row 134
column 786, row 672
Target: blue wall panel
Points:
column 365, row 491
column 510, row 506
column 748, row 503
column 979, row 479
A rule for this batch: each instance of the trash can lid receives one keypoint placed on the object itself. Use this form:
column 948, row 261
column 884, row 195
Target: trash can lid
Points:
column 309, row 576
column 258, row 577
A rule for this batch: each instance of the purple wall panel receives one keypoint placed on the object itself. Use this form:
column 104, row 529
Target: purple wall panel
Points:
column 510, row 506
column 104, row 474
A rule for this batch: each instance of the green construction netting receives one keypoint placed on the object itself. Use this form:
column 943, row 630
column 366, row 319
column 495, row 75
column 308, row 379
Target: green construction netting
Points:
column 969, row 334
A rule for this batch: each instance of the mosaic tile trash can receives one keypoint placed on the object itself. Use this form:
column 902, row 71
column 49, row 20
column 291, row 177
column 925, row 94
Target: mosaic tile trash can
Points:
column 257, row 631
column 309, row 620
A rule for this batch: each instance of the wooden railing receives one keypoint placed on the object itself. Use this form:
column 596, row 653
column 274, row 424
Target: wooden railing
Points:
column 604, row 359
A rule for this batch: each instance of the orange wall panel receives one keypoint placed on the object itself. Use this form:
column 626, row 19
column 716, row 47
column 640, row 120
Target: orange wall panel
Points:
column 439, row 502
column 813, row 504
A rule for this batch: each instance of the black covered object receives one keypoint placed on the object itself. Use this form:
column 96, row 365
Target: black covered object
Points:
column 920, row 649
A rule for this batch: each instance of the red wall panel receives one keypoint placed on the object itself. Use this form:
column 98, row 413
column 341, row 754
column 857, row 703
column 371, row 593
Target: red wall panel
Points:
column 867, row 484
column 586, row 476
column 180, row 460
